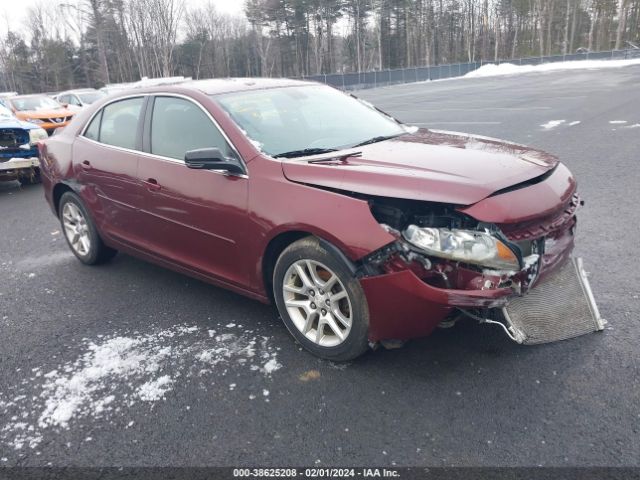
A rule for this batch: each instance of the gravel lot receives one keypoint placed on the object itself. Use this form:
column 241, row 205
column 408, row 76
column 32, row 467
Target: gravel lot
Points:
column 130, row 364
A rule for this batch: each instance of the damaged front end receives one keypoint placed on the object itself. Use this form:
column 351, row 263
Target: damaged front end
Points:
column 445, row 263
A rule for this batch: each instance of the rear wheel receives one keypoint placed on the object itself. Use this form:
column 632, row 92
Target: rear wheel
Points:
column 80, row 232
column 320, row 301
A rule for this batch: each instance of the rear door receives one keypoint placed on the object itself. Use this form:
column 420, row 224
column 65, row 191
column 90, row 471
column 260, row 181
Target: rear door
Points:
column 107, row 155
column 196, row 218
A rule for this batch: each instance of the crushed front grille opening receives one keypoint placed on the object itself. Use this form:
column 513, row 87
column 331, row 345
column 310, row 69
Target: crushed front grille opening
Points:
column 560, row 307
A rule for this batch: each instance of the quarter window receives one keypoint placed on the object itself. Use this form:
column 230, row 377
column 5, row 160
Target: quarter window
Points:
column 119, row 125
column 178, row 125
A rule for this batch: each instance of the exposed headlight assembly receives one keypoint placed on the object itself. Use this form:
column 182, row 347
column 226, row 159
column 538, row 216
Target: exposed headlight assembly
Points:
column 36, row 121
column 37, row 134
column 469, row 246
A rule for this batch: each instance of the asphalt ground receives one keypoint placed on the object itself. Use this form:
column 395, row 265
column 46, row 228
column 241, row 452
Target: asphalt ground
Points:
column 129, row 364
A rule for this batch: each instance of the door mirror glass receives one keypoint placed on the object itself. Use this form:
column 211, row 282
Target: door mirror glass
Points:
column 211, row 159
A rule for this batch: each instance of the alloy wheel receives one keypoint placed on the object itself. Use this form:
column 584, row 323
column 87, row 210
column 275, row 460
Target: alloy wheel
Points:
column 317, row 302
column 76, row 229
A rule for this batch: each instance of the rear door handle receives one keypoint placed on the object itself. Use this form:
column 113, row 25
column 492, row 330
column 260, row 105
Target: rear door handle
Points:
column 152, row 184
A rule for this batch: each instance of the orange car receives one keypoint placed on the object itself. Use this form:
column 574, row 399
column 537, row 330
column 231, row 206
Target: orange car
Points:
column 41, row 110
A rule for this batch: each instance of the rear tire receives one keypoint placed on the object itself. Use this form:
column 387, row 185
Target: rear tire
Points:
column 320, row 301
column 80, row 231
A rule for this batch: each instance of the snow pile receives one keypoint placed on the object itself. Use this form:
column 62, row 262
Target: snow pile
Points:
column 116, row 373
column 493, row 70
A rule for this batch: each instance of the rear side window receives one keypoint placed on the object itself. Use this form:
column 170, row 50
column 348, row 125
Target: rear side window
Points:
column 93, row 130
column 178, row 125
column 119, row 125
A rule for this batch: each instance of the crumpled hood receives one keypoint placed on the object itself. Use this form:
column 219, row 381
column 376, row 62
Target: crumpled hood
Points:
column 8, row 122
column 428, row 165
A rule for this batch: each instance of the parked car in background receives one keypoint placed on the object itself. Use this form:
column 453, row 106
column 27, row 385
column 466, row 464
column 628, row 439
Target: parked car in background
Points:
column 360, row 229
column 18, row 150
column 40, row 110
column 77, row 99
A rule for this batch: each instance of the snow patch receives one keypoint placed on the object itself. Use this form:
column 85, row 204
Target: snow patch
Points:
column 493, row 70
column 114, row 373
column 552, row 124
column 617, row 122
column 155, row 389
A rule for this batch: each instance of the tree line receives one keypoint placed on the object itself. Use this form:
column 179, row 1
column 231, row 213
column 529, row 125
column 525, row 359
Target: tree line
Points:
column 97, row 42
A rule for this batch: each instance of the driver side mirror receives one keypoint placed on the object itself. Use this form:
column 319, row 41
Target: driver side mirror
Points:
column 211, row 159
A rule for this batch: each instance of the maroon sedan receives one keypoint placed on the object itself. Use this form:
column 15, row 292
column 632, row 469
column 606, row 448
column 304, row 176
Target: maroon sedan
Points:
column 362, row 230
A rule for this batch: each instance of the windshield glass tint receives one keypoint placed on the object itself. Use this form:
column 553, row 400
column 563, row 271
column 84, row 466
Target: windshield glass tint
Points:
column 35, row 103
column 311, row 117
column 89, row 98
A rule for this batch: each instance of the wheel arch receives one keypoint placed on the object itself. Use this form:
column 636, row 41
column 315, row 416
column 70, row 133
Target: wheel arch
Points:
column 59, row 190
column 280, row 242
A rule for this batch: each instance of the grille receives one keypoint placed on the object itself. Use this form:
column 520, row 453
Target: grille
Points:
column 560, row 307
column 12, row 138
column 537, row 228
column 8, row 140
column 58, row 119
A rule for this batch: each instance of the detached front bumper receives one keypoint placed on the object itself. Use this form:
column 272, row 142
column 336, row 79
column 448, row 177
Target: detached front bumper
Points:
column 16, row 167
column 548, row 301
column 19, row 163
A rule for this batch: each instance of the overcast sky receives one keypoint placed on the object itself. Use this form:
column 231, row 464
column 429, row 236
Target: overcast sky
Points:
column 13, row 12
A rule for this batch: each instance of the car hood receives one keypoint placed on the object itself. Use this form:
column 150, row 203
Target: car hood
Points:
column 15, row 123
column 428, row 165
column 53, row 113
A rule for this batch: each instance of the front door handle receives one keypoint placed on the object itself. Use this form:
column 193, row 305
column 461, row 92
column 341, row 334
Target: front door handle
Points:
column 152, row 184
column 86, row 165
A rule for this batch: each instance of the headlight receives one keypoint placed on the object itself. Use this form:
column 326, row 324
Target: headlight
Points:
column 467, row 246
column 37, row 134
column 37, row 121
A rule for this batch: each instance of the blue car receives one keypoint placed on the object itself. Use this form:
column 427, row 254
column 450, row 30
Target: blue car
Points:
column 18, row 148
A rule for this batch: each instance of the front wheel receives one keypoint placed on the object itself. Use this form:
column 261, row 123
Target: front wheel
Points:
column 320, row 301
column 81, row 233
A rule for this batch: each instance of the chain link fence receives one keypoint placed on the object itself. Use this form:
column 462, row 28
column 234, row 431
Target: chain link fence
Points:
column 383, row 78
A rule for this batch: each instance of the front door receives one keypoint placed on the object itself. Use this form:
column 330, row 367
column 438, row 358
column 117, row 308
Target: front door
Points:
column 196, row 218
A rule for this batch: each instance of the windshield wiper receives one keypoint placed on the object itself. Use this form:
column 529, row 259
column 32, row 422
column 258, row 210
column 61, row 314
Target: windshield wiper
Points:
column 304, row 152
column 380, row 138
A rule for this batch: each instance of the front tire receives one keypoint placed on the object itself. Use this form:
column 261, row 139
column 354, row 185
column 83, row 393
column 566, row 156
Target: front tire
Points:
column 80, row 231
column 31, row 179
column 320, row 301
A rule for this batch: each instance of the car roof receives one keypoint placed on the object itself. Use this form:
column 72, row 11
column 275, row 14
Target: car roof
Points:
column 218, row 86
column 31, row 95
column 77, row 90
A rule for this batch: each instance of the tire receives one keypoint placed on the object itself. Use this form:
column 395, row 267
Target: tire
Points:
column 80, row 231
column 30, row 179
column 328, row 316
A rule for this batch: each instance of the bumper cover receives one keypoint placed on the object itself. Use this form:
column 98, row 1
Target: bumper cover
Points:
column 19, row 164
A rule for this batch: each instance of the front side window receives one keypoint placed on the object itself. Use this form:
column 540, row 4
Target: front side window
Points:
column 73, row 100
column 293, row 119
column 119, row 125
column 179, row 125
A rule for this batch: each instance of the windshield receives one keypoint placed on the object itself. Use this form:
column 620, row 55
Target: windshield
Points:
column 306, row 120
column 40, row 102
column 5, row 112
column 90, row 97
